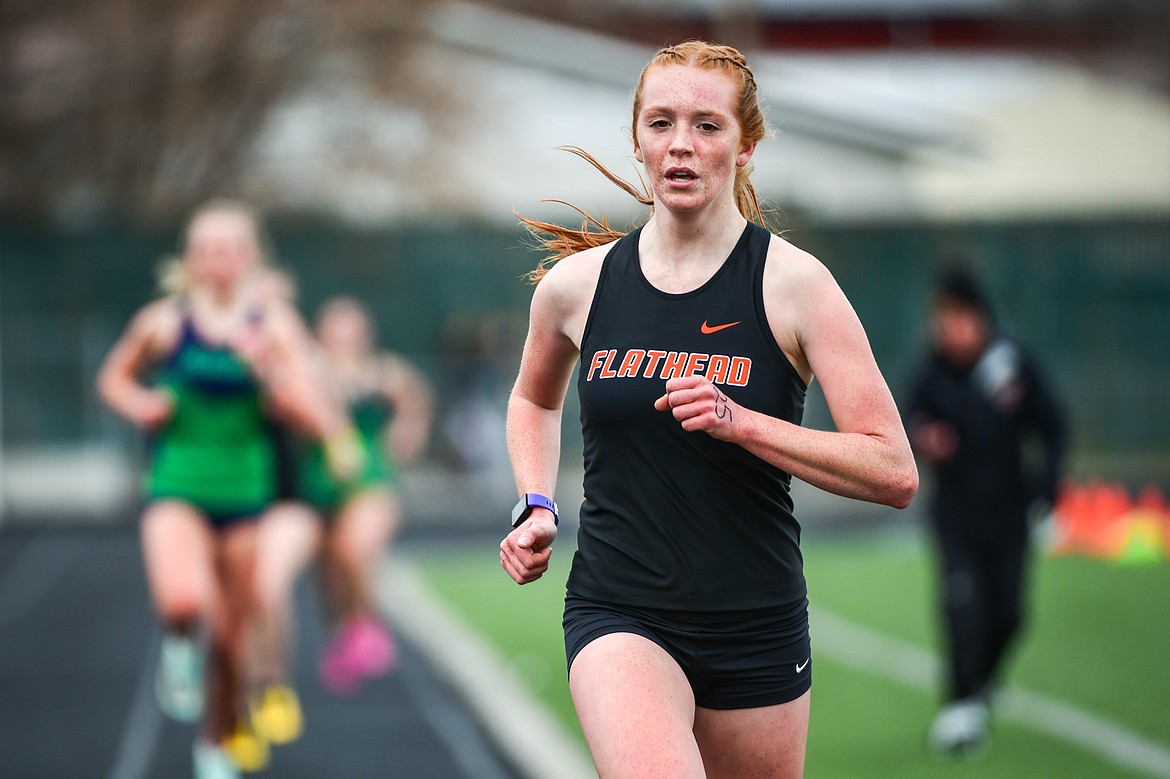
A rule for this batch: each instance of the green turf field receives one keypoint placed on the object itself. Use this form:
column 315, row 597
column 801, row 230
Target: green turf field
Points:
column 1098, row 645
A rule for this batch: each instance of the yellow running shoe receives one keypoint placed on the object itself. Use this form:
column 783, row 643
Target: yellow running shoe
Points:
column 278, row 716
column 246, row 748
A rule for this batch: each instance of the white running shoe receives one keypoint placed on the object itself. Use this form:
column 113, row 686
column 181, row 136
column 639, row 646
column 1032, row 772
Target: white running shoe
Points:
column 960, row 728
column 211, row 762
column 178, row 682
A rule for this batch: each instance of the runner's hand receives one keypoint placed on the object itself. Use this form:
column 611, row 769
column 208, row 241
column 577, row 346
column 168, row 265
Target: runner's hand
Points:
column 345, row 455
column 525, row 552
column 153, row 408
column 936, row 441
column 699, row 406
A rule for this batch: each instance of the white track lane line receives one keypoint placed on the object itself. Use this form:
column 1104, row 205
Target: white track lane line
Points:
column 454, row 727
column 501, row 701
column 912, row 666
column 30, row 577
column 140, row 736
column 518, row 721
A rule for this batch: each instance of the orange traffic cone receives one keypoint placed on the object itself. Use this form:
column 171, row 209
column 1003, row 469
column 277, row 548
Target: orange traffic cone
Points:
column 1110, row 504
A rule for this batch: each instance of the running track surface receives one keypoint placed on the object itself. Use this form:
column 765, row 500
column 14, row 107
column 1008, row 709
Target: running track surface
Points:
column 77, row 650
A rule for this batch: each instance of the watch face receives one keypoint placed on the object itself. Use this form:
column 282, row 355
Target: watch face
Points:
column 519, row 510
column 527, row 502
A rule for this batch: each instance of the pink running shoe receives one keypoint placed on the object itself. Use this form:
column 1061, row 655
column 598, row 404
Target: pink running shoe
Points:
column 371, row 647
column 339, row 674
column 361, row 649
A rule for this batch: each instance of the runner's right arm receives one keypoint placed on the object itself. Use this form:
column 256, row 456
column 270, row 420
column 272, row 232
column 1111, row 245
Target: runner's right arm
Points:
column 119, row 381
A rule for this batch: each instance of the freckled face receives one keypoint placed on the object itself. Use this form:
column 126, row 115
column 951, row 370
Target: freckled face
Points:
column 688, row 138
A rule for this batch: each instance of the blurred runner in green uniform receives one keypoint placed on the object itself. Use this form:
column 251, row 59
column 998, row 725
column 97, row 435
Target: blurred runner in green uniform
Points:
column 390, row 406
column 191, row 369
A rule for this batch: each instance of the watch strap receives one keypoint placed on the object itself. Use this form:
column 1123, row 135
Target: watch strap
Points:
column 530, row 500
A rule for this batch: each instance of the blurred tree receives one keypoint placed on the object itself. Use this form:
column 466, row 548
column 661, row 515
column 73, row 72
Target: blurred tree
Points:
column 149, row 107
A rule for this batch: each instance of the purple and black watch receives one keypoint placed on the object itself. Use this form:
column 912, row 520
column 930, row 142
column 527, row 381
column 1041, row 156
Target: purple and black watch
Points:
column 529, row 501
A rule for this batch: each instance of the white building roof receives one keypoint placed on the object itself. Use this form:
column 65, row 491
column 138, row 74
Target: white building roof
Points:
column 859, row 136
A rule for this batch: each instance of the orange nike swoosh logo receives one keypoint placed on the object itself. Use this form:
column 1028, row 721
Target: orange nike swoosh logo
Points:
column 707, row 329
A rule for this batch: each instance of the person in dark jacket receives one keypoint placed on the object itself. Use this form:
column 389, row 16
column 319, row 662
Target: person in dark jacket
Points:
column 977, row 403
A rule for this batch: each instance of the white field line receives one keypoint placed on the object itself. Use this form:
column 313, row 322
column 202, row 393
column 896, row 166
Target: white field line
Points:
column 917, row 668
column 518, row 722
column 497, row 695
column 144, row 722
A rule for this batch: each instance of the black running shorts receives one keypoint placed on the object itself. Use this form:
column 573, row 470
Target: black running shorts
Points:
column 733, row 659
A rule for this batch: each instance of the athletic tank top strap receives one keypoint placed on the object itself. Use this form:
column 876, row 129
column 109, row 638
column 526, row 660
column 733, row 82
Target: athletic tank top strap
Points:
column 207, row 365
column 671, row 518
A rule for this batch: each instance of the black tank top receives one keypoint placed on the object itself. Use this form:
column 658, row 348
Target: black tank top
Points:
column 673, row 519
